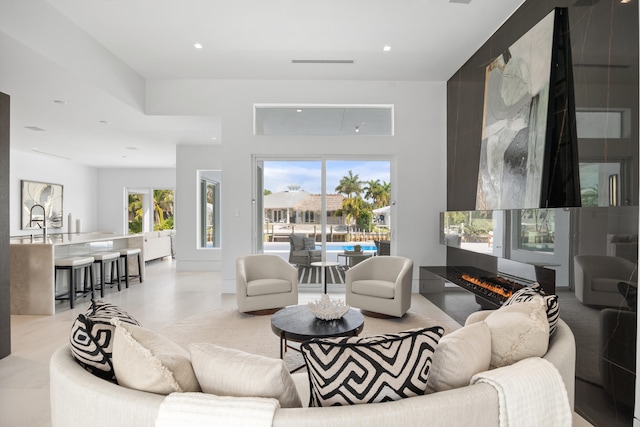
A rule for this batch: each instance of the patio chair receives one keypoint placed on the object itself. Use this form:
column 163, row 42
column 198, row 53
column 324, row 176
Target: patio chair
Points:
column 383, row 247
column 302, row 250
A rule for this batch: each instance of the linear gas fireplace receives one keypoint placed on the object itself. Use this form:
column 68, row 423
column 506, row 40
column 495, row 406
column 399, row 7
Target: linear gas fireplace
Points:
column 492, row 284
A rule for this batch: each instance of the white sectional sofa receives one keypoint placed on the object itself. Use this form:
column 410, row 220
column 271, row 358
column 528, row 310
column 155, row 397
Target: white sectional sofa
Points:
column 79, row 398
column 158, row 244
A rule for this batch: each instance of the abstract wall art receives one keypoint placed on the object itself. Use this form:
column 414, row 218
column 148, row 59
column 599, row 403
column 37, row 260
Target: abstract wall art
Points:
column 41, row 205
column 519, row 156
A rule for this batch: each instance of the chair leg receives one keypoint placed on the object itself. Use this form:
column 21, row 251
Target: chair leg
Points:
column 116, row 265
column 92, row 281
column 125, row 260
column 139, row 269
column 72, row 288
column 103, row 280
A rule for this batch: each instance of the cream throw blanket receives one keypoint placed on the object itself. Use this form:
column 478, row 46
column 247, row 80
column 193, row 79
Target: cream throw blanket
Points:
column 204, row 410
column 531, row 393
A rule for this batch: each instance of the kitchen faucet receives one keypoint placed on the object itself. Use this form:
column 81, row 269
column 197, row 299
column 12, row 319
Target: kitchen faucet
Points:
column 42, row 223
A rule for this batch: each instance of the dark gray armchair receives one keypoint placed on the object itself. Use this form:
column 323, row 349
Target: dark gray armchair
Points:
column 302, row 250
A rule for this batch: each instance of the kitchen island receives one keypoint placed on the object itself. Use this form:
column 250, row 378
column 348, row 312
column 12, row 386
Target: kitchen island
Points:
column 32, row 268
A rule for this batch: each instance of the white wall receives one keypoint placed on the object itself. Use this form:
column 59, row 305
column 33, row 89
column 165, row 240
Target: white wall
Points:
column 189, row 160
column 79, row 188
column 111, row 188
column 418, row 149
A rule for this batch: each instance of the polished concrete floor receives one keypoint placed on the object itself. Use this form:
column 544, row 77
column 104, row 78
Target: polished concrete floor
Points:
column 165, row 296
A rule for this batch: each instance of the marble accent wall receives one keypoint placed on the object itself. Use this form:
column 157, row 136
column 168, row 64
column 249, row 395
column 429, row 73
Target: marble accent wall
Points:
column 5, row 318
column 604, row 40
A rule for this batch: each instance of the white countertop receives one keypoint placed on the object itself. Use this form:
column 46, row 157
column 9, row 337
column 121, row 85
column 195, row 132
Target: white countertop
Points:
column 59, row 239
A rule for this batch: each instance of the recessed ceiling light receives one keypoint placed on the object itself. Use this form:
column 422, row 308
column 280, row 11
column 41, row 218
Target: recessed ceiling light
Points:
column 59, row 101
column 213, row 138
column 104, row 122
column 35, row 128
column 625, row 1
column 132, row 148
column 197, row 46
column 298, row 110
column 387, row 48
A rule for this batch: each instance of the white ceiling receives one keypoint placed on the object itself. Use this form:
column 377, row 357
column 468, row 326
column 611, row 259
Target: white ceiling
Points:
column 96, row 55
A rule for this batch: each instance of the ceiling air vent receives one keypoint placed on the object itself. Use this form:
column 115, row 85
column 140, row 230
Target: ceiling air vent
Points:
column 322, row 61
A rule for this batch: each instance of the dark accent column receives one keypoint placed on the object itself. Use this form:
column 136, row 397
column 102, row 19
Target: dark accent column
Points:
column 5, row 300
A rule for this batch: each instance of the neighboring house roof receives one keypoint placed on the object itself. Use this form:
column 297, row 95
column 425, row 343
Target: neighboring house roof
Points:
column 314, row 203
column 284, row 199
column 382, row 210
column 302, row 201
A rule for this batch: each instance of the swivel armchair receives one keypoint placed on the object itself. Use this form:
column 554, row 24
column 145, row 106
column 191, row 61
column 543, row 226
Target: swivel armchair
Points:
column 265, row 283
column 597, row 278
column 380, row 286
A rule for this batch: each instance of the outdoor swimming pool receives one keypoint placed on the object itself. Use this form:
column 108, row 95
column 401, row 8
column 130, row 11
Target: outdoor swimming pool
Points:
column 331, row 246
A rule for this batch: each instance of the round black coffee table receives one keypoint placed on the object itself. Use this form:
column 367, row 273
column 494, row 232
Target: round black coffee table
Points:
column 297, row 323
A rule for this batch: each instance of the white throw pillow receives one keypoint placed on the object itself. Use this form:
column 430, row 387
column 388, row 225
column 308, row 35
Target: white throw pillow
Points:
column 518, row 331
column 229, row 372
column 145, row 360
column 459, row 356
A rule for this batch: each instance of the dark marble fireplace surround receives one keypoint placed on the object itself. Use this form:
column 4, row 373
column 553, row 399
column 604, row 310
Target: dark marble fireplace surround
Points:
column 604, row 39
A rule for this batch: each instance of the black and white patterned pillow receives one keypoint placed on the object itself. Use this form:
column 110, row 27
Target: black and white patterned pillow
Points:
column 92, row 338
column 349, row 371
column 525, row 294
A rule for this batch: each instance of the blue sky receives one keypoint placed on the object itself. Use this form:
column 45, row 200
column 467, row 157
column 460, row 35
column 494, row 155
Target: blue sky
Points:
column 307, row 174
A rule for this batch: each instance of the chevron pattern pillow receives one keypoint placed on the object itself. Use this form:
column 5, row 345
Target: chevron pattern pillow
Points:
column 349, row 371
column 92, row 338
column 527, row 293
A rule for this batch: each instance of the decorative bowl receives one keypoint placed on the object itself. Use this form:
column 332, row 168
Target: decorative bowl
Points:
column 325, row 309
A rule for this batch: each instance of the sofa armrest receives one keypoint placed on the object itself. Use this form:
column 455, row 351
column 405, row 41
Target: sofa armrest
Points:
column 478, row 316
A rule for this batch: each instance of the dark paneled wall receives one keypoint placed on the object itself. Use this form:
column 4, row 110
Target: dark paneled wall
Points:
column 604, row 39
column 5, row 307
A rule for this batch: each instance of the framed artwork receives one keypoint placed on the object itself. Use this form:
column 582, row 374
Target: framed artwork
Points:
column 528, row 156
column 41, row 205
column 515, row 120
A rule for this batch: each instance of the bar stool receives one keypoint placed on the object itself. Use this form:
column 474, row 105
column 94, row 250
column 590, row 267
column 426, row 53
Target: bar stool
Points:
column 101, row 260
column 125, row 254
column 75, row 265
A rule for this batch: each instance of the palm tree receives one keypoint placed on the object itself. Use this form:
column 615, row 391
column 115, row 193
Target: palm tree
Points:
column 135, row 213
column 162, row 208
column 371, row 189
column 378, row 193
column 385, row 194
column 353, row 208
column 350, row 185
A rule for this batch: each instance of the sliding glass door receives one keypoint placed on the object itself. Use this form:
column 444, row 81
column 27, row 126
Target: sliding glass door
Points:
column 335, row 205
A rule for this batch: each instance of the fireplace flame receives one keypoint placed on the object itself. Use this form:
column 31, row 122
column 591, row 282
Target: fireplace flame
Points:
column 493, row 288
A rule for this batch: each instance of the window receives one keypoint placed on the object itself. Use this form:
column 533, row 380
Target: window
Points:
column 537, row 230
column 149, row 209
column 209, row 230
column 309, row 217
column 163, row 209
column 135, row 212
column 596, row 184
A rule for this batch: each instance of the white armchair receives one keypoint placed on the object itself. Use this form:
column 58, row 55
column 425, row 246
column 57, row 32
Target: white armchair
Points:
column 265, row 283
column 597, row 277
column 380, row 284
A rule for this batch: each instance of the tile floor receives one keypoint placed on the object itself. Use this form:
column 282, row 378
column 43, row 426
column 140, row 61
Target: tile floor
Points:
column 165, row 296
